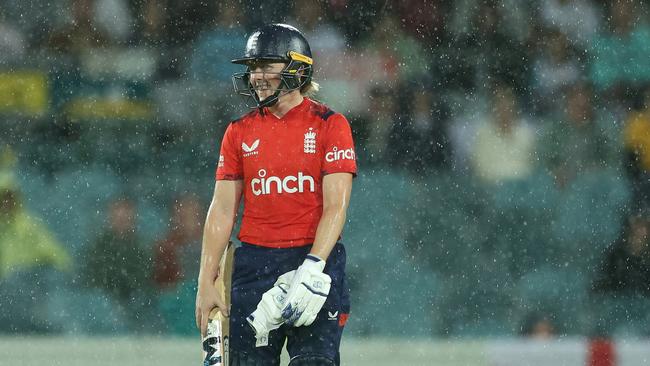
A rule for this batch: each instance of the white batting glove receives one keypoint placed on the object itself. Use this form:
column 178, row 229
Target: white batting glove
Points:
column 307, row 293
column 268, row 314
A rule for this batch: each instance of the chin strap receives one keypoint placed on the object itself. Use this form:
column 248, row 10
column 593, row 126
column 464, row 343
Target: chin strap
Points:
column 270, row 101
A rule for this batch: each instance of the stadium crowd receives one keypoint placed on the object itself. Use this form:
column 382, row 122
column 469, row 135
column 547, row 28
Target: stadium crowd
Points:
column 503, row 146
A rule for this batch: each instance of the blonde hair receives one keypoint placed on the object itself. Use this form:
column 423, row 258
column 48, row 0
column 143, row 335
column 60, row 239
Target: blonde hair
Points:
column 310, row 89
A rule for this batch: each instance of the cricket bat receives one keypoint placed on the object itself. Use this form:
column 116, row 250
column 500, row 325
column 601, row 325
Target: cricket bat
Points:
column 216, row 340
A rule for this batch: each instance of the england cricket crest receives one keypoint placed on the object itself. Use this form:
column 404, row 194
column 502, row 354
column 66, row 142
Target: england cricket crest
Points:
column 310, row 141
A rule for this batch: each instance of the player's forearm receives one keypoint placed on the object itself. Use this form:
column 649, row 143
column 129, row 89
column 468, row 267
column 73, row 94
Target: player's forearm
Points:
column 328, row 231
column 216, row 234
column 218, row 227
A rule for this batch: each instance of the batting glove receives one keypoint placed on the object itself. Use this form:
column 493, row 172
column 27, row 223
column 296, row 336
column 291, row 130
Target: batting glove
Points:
column 308, row 292
column 268, row 314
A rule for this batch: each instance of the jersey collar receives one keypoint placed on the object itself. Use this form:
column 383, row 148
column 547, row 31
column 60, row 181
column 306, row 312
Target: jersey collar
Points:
column 300, row 107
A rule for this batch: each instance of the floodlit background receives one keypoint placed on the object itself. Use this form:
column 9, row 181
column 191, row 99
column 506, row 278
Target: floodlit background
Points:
column 502, row 196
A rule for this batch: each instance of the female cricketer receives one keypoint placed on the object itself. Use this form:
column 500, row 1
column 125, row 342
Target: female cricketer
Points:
column 293, row 160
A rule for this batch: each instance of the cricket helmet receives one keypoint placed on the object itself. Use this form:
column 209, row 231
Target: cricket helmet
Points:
column 275, row 43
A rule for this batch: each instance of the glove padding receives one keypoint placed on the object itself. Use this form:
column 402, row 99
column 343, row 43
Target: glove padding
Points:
column 308, row 292
column 268, row 314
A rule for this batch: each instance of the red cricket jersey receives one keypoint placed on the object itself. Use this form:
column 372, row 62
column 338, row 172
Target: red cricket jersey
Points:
column 282, row 162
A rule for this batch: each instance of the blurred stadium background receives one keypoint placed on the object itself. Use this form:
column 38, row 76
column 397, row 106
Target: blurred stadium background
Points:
column 503, row 146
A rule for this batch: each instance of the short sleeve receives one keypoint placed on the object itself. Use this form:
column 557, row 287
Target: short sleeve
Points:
column 339, row 154
column 229, row 166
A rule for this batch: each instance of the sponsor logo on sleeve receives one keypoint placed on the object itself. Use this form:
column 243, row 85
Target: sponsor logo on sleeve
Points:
column 339, row 154
column 222, row 161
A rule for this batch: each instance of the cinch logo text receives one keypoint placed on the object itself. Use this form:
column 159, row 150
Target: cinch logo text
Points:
column 289, row 184
column 337, row 154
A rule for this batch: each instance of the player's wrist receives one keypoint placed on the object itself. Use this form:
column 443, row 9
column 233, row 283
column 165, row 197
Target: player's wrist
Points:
column 315, row 258
column 313, row 261
column 206, row 282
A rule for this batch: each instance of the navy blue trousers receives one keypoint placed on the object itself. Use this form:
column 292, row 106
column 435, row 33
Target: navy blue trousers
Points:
column 255, row 271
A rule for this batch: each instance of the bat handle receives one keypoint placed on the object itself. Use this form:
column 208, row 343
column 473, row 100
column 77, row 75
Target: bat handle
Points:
column 213, row 343
column 213, row 313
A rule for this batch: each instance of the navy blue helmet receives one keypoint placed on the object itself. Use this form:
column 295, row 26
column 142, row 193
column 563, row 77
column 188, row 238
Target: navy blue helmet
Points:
column 275, row 43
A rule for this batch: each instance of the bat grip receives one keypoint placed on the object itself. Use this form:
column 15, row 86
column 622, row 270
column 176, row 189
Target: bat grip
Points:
column 213, row 313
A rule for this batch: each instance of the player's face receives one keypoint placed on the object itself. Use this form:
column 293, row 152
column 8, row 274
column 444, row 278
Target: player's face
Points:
column 265, row 78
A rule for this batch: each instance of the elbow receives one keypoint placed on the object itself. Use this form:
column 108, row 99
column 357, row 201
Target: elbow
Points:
column 335, row 211
column 218, row 219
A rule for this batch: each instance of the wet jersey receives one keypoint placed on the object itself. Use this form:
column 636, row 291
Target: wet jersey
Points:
column 282, row 162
